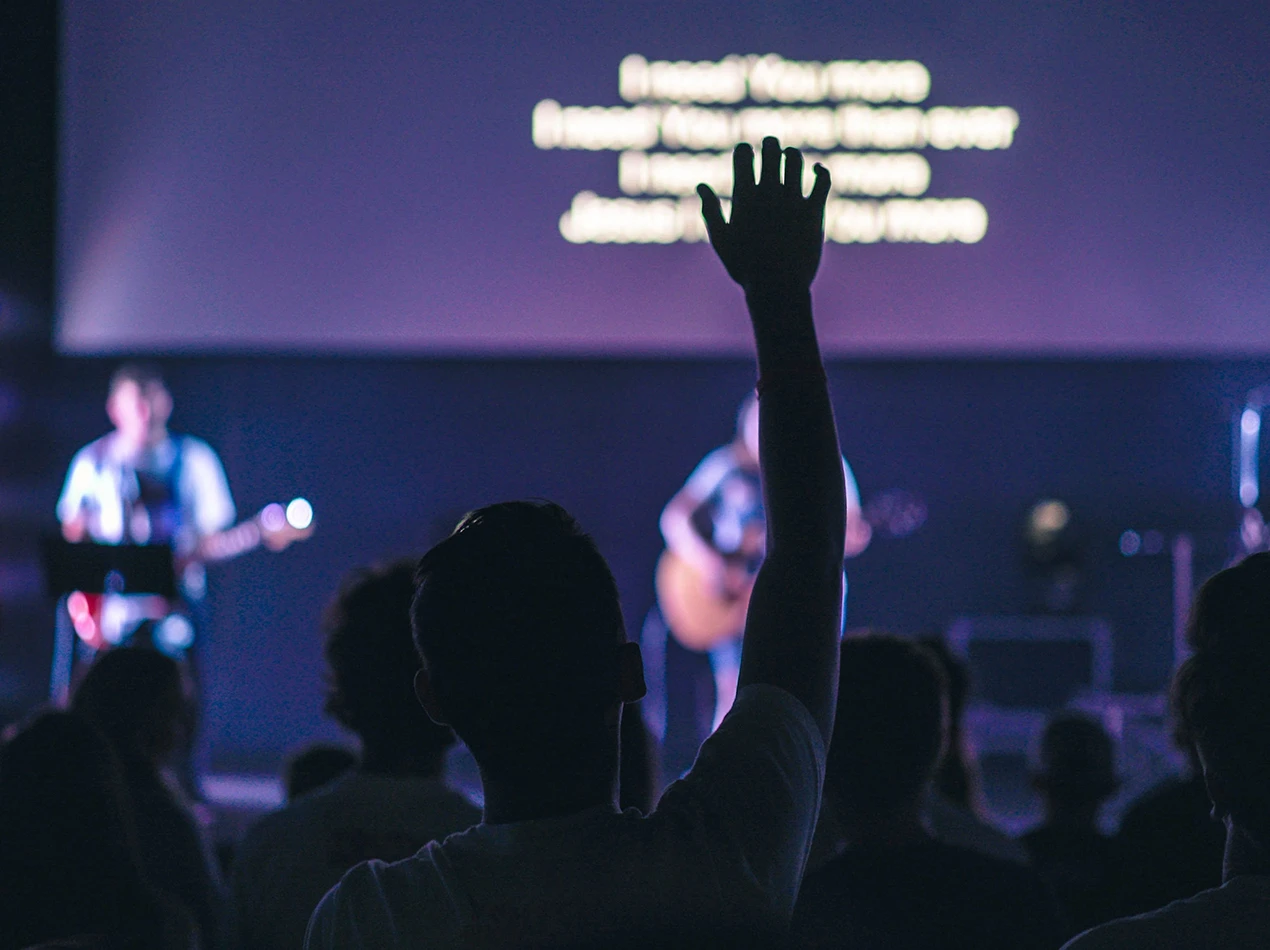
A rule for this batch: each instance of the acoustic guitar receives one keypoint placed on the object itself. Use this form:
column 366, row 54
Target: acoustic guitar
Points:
column 702, row 617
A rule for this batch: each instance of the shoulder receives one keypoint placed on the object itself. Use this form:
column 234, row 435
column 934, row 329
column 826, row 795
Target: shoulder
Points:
column 764, row 710
column 385, row 905
column 714, row 468
column 1146, row 931
column 94, row 453
column 195, row 450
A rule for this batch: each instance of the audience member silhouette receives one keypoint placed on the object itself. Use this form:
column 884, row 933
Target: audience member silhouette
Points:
column 518, row 621
column 954, row 805
column 139, row 699
column 957, row 779
column 893, row 885
column 1223, row 705
column 315, row 766
column 70, row 868
column 390, row 806
column 1169, row 847
column 1075, row 776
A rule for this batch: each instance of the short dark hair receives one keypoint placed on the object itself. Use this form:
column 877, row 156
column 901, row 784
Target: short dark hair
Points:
column 372, row 662
column 1077, row 759
column 518, row 621
column 889, row 725
column 124, row 690
column 1219, row 694
column 144, row 375
column 1232, row 608
column 1222, row 699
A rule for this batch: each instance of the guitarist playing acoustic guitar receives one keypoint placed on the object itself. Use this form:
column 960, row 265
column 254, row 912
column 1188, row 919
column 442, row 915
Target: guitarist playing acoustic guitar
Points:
column 715, row 531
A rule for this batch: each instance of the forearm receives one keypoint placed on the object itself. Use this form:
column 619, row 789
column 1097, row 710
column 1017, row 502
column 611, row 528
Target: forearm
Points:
column 803, row 483
column 795, row 614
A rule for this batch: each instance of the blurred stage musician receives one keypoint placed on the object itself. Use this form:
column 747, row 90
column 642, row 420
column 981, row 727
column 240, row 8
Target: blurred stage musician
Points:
column 140, row 484
column 715, row 535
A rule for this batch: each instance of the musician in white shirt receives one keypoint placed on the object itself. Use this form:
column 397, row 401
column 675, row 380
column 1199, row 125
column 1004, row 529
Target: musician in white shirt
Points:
column 140, row 484
column 714, row 525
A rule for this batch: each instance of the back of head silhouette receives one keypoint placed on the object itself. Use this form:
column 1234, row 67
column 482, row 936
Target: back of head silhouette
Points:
column 68, row 856
column 1076, row 767
column 139, row 699
column 372, row 659
column 519, row 625
column 890, row 727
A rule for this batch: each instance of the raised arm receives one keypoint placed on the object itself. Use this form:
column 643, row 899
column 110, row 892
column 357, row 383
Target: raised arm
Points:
column 771, row 247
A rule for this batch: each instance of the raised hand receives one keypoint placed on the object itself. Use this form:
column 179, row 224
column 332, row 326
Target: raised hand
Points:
column 775, row 235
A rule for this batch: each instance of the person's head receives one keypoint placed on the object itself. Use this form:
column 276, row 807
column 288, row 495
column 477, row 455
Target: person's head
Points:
column 1232, row 608
column 68, row 856
column 890, row 727
column 315, row 766
column 371, row 657
column 1220, row 697
column 524, row 650
column 1075, row 770
column 957, row 776
column 138, row 402
column 140, row 700
column 747, row 424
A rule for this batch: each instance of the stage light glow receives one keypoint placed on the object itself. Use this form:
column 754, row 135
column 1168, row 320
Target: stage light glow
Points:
column 1250, row 422
column 299, row 514
column 77, row 605
column 273, row 517
column 173, row 634
column 1130, row 543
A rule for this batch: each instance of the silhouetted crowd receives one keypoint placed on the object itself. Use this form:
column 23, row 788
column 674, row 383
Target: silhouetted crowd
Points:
column 836, row 805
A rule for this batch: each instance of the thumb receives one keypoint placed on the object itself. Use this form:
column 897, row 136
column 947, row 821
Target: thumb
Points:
column 712, row 212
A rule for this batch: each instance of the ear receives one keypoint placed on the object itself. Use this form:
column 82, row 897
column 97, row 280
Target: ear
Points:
column 1216, row 792
column 428, row 699
column 630, row 674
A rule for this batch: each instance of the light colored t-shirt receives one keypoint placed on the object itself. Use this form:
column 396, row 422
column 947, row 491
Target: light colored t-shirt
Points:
column 1235, row 916
column 725, row 849
column 289, row 859
column 108, row 490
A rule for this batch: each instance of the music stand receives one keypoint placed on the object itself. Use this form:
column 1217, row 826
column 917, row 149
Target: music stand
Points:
column 93, row 568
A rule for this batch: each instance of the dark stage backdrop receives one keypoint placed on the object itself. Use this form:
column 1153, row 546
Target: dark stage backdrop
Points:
column 392, row 452
column 322, row 176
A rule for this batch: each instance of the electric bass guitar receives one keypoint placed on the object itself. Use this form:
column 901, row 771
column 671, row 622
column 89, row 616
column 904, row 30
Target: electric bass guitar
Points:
column 274, row 527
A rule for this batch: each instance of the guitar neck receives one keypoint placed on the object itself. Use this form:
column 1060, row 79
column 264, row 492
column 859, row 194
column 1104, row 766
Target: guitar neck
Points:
column 230, row 543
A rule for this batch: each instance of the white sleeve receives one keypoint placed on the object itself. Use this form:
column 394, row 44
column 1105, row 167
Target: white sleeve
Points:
column 207, row 491
column 853, row 490
column 755, row 793
column 711, row 470
column 80, row 484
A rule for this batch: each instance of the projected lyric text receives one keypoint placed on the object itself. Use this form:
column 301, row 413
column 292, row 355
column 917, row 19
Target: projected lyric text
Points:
column 860, row 119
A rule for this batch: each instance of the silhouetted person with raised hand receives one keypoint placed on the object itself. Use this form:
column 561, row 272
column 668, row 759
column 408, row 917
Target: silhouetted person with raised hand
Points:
column 524, row 652
column 140, row 700
column 389, row 807
column 1221, row 699
column 892, row 884
column 1075, row 776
